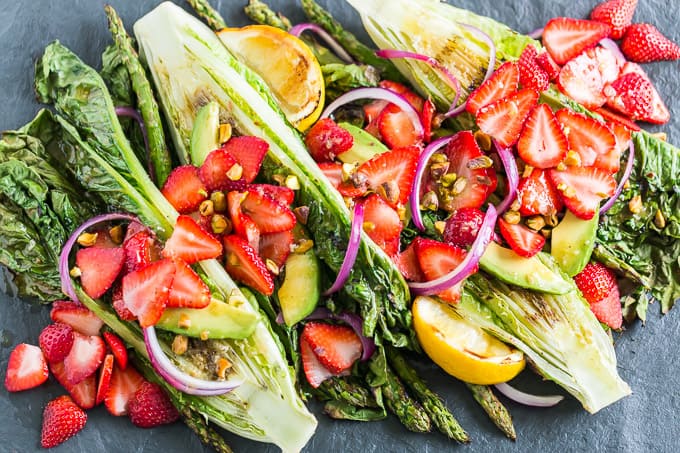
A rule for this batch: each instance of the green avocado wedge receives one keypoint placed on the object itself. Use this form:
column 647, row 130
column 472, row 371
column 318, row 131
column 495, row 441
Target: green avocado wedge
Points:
column 205, row 133
column 217, row 321
column 301, row 288
column 572, row 242
column 365, row 145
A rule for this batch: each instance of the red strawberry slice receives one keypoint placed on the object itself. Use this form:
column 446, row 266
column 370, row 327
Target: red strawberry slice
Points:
column 660, row 113
column 462, row 227
column 632, row 95
column 76, row 315
column 583, row 188
column 503, row 119
column 437, row 259
column 644, row 43
column 117, row 348
column 124, row 384
column 146, row 291
column 612, row 161
column 191, row 243
column 382, row 224
column 141, row 249
column 280, row 194
column 391, row 174
column 245, row 265
column 188, row 289
column 249, row 152
column 531, row 74
column 104, row 379
column 184, row 189
column 522, row 240
column 26, row 368
column 608, row 310
column 62, row 419
column 591, row 139
column 615, row 118
column 407, row 262
column 618, row 14
column 396, row 128
column 269, row 215
column 542, row 143
column 326, row 140
column 119, row 304
column 336, row 346
column 399, row 88
column 546, row 62
column 216, row 170
column 56, row 341
column 242, row 224
column 502, row 83
column 565, row 38
column 314, row 371
column 537, row 195
column 99, row 268
column 84, row 358
column 426, row 118
column 598, row 285
column 583, row 79
column 150, row 407
column 276, row 247
column 84, row 393
column 372, row 111
column 333, row 171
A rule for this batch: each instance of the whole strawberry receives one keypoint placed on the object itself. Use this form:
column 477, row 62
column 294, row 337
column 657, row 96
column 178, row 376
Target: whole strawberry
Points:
column 598, row 286
column 150, row 407
column 616, row 13
column 62, row 419
column 644, row 43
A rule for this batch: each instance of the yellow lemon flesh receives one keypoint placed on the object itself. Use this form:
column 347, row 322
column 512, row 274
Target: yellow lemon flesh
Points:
column 462, row 349
column 286, row 64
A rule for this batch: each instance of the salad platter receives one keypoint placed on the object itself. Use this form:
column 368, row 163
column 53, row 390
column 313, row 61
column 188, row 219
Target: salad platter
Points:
column 647, row 359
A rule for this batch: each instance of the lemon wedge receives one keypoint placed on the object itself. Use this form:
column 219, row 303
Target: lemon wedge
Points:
column 286, row 64
column 462, row 349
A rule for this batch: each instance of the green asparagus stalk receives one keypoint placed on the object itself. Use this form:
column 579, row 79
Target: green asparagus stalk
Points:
column 347, row 391
column 261, row 13
column 494, row 408
column 209, row 14
column 408, row 410
column 606, row 257
column 443, row 419
column 159, row 155
column 341, row 410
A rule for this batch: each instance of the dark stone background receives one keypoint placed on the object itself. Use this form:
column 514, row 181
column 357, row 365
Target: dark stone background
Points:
column 648, row 355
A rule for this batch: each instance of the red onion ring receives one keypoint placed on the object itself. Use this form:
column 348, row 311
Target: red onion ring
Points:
column 467, row 266
column 510, row 166
column 331, row 42
column 178, row 379
column 423, row 159
column 609, row 44
column 354, row 321
column 482, row 36
column 626, row 174
column 64, row 274
column 536, row 34
column 526, row 398
column 380, row 94
column 135, row 115
column 352, row 250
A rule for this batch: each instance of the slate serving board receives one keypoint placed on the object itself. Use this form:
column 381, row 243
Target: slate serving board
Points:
column 648, row 355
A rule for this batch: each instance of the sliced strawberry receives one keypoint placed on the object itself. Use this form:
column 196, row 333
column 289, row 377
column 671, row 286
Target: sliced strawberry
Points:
column 372, row 111
column 591, row 139
column 104, row 239
column 504, row 118
column 145, row 292
column 632, row 95
column 382, row 224
column 599, row 287
column 76, row 315
column 141, row 249
column 26, row 368
column 184, row 189
column 502, row 83
column 314, row 371
column 407, row 262
column 191, row 243
column 280, row 194
column 99, row 268
column 150, row 407
column 426, row 118
column 326, row 140
column 644, row 43
column 565, row 38
column 612, row 162
column 613, row 117
column 546, row 62
column 660, row 113
column 583, row 188
column 276, row 247
column 249, row 152
column 242, row 224
column 84, row 358
column 583, row 79
column 56, row 341
column 117, row 348
column 124, row 384
column 333, row 171
column 437, row 259
column 104, row 379
column 522, row 240
column 62, row 419
column 531, row 74
column 462, row 227
column 618, row 14
column 217, row 171
column 84, row 393
column 336, row 346
column 391, row 174
column 396, row 128
column 542, row 143
column 399, row 88
column 188, row 289
column 269, row 215
column 537, row 195
column 245, row 265
column 119, row 304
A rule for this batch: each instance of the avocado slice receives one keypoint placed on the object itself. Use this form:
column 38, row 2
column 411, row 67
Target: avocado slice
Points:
column 218, row 320
column 300, row 291
column 572, row 242
column 529, row 273
column 205, row 135
column 364, row 148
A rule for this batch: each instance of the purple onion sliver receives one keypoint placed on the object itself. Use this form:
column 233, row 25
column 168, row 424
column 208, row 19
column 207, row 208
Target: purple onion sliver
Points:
column 526, row 398
column 279, row 318
column 414, row 196
column 536, row 34
column 609, row 44
column 483, row 36
column 626, row 174
column 319, row 313
column 135, row 115
column 335, row 46
column 352, row 250
column 510, row 166
column 455, row 111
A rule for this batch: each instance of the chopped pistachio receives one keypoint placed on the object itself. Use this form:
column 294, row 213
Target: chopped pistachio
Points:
column 279, row 179
column 220, row 224
column 222, row 366
column 389, row 191
column 573, row 159
column 87, row 239
column 429, row 201
column 528, row 169
column 440, row 225
column 225, row 132
column 273, row 268
column 439, row 158
column 568, row 191
column 348, row 169
column 204, row 335
column 546, row 232
column 180, row 344
column 459, row 185
column 116, row 234
column 536, row 222
column 516, row 205
column 235, row 172
column 219, row 201
column 75, row 272
column 448, row 179
column 561, row 166
column 304, row 245
column 292, row 182
column 184, row 321
column 551, row 220
column 206, row 208
column 659, row 219
column 368, row 226
column 512, row 217
column 635, row 204
column 480, row 162
column 439, row 169
column 483, row 140
column 626, row 185
column 301, row 214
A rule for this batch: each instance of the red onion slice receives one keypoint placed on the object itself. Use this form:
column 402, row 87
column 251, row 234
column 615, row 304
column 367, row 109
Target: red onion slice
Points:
column 510, row 166
column 64, row 274
column 178, row 379
column 135, row 115
column 352, row 250
column 414, row 197
column 331, row 42
column 626, row 174
column 536, row 34
column 609, row 44
column 467, row 266
column 484, row 37
column 526, row 398
column 354, row 321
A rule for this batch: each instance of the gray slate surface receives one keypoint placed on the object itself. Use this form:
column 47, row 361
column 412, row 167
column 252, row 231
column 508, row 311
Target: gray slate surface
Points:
column 648, row 355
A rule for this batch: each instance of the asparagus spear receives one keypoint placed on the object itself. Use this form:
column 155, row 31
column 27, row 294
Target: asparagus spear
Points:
column 342, row 410
column 433, row 405
column 408, row 410
column 347, row 391
column 261, row 13
column 159, row 155
column 208, row 14
column 494, row 408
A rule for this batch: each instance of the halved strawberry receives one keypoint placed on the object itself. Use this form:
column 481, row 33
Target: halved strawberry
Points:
column 407, row 262
column 280, row 194
column 612, row 117
column 269, row 215
column 249, row 152
column 426, row 118
column 644, row 43
column 382, row 224
column 326, row 140
column 119, row 304
column 408, row 94
column 391, row 174
column 26, row 368
column 117, row 348
column 104, row 382
column 146, row 291
column 56, row 341
column 141, row 249
column 124, row 384
column 314, row 371
column 372, row 112
column 76, row 315
column 437, row 259
column 84, row 393
column 150, row 406
column 242, row 224
column 276, row 247
column 522, row 240
column 583, row 188
column 62, row 419
column 590, row 138
column 184, row 189
column 190, row 242
column 565, row 38
column 188, row 289
column 245, row 265
column 336, row 346
column 215, row 170
column 84, row 358
column 502, row 83
column 537, row 195
column 462, row 226
column 659, row 113
column 618, row 14
column 583, row 79
column 632, row 95
column 396, row 128
column 99, row 268
column 503, row 119
column 599, row 287
column 542, row 143
column 531, row 74
column 546, row 62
